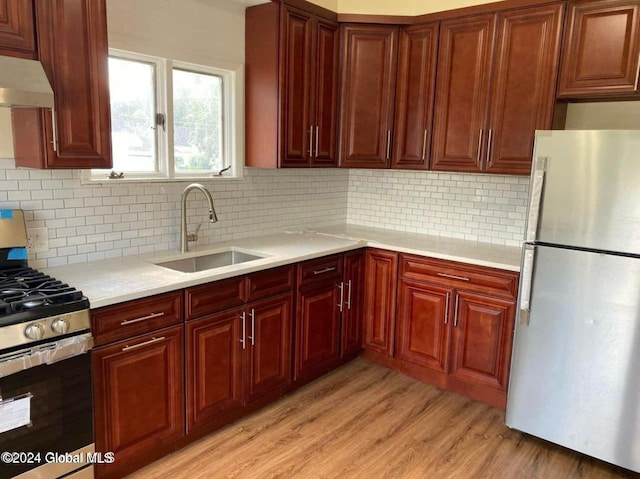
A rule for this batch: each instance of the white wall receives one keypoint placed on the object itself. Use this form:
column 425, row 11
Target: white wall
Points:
column 618, row 115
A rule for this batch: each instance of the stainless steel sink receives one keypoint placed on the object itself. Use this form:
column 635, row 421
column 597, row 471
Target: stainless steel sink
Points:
column 210, row 261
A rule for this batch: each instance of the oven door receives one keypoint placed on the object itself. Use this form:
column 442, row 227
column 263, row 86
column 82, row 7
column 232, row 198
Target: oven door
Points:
column 54, row 382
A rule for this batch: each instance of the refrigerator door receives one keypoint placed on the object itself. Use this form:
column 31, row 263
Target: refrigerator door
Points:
column 574, row 372
column 589, row 193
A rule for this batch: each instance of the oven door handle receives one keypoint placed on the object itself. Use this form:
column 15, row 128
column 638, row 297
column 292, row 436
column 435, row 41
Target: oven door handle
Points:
column 47, row 353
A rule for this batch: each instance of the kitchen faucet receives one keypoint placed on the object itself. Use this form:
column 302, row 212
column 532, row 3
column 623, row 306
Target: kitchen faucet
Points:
column 184, row 236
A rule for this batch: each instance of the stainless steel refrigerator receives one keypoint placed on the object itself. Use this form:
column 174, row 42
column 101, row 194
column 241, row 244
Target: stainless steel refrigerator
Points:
column 575, row 371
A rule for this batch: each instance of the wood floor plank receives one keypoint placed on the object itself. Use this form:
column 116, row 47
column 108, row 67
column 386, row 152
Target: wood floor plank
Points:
column 364, row 421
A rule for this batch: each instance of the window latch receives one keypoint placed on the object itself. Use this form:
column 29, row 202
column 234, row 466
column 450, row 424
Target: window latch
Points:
column 116, row 176
column 223, row 170
column 161, row 120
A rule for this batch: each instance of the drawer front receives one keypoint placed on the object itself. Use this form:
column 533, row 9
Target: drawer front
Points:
column 212, row 297
column 322, row 269
column 270, row 282
column 141, row 316
column 460, row 275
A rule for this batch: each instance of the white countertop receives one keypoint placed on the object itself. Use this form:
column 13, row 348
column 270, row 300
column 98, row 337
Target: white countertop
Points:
column 117, row 280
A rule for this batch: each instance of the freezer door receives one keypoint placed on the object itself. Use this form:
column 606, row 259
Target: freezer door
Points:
column 574, row 371
column 590, row 190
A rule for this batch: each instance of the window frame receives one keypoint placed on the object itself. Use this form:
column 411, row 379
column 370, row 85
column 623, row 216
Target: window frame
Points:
column 232, row 75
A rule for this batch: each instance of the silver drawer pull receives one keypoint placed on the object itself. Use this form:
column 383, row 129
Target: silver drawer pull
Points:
column 144, row 318
column 326, row 270
column 453, row 276
column 136, row 346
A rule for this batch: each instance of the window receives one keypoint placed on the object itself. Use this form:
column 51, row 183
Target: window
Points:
column 173, row 120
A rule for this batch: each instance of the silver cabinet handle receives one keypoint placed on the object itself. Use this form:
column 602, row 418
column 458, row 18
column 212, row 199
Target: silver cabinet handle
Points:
column 424, row 145
column 145, row 343
column 453, row 276
column 535, row 198
column 244, row 330
column 143, row 318
column 325, row 270
column 388, row 144
column 638, row 72
column 317, row 136
column 489, row 139
column 455, row 314
column 526, row 280
column 480, row 144
column 341, row 287
column 311, row 141
column 446, row 309
column 252, row 315
column 54, row 130
column 349, row 295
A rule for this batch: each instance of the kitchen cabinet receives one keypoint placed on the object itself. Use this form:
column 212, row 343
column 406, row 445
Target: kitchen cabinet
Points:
column 17, row 35
column 236, row 356
column 417, row 53
column 353, row 303
column 72, row 47
column 494, row 88
column 381, row 269
column 138, row 398
column 292, row 59
column 457, row 320
column 601, row 49
column 368, row 82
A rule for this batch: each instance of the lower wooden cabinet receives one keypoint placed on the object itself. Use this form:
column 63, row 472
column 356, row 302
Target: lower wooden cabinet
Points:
column 481, row 339
column 138, row 397
column 353, row 291
column 236, row 357
column 381, row 269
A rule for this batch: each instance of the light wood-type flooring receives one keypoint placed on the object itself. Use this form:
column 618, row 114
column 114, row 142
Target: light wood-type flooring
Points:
column 366, row 421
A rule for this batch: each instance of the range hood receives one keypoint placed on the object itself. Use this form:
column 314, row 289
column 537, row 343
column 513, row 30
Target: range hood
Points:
column 23, row 83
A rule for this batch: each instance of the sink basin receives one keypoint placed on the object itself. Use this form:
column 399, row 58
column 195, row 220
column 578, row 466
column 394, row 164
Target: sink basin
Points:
column 210, row 261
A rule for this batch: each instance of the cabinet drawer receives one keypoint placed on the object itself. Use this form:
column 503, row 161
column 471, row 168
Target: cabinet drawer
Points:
column 270, row 282
column 321, row 269
column 128, row 319
column 460, row 275
column 211, row 297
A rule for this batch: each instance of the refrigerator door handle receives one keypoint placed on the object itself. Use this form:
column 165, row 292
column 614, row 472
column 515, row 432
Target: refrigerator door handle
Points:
column 535, row 197
column 526, row 280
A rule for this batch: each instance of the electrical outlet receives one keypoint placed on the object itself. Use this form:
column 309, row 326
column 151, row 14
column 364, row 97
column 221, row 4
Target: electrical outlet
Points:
column 37, row 240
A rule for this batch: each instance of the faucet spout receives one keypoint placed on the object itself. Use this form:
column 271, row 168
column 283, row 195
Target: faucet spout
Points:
column 184, row 236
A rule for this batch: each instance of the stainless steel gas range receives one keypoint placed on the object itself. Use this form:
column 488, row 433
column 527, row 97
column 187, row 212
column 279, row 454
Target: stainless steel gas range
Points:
column 46, row 428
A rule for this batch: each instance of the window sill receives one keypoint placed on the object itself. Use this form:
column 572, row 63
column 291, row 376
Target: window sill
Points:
column 85, row 180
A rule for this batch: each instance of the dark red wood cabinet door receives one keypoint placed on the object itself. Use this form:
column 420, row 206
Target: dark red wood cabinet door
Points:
column 381, row 269
column 462, row 93
column 600, row 49
column 481, row 344
column 17, row 37
column 138, row 395
column 268, row 365
column 72, row 44
column 353, row 303
column 317, row 329
column 369, row 56
column 422, row 331
column 297, row 77
column 214, row 367
column 523, row 86
column 417, row 53
column 326, row 93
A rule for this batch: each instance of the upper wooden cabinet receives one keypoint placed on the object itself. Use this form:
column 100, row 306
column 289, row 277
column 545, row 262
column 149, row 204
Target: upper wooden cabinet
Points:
column 369, row 55
column 417, row 53
column 72, row 46
column 291, row 87
column 601, row 49
column 17, row 37
column 478, row 128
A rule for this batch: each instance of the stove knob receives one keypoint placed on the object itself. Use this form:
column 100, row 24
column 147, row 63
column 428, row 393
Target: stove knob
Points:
column 60, row 326
column 34, row 331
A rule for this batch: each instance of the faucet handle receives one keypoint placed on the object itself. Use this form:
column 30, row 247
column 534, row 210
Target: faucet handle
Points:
column 194, row 236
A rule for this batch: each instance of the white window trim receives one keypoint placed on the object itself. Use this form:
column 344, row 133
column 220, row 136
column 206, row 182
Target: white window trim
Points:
column 233, row 116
